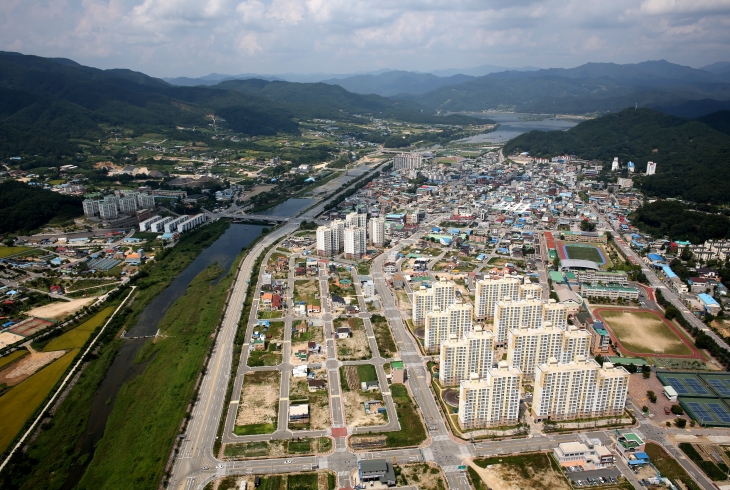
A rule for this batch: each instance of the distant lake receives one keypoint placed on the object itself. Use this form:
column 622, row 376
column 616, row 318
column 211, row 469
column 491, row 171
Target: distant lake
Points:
column 514, row 124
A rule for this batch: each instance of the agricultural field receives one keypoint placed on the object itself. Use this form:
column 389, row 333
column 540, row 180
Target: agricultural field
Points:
column 319, row 407
column 307, row 291
column 356, row 347
column 259, row 403
column 8, row 251
column 643, row 332
column 535, row 471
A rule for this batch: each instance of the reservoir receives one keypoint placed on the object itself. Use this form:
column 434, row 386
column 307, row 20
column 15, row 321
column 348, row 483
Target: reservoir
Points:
column 512, row 124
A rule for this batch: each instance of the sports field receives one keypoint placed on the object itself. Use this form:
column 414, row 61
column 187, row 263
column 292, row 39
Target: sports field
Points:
column 585, row 252
column 643, row 333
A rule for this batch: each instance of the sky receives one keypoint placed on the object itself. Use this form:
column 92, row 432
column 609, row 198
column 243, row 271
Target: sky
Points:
column 193, row 38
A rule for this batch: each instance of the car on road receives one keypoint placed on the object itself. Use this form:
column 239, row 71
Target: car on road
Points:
column 288, row 461
column 219, row 466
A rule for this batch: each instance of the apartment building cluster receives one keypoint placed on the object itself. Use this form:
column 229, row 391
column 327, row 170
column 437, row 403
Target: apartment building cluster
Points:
column 407, row 161
column 170, row 224
column 111, row 206
column 350, row 235
column 539, row 344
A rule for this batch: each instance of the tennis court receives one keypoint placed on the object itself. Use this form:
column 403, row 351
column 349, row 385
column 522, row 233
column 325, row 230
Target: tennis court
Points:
column 685, row 384
column 719, row 383
column 707, row 411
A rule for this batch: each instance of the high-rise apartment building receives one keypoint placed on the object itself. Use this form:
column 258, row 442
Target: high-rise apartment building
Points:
column 441, row 324
column 459, row 357
column 442, row 293
column 356, row 220
column 650, row 168
column 509, row 314
column 328, row 241
column 528, row 347
column 407, row 161
column 91, row 207
column 555, row 313
column 493, row 400
column 489, row 291
column 108, row 209
column 578, row 389
column 377, row 232
column 355, row 243
column 127, row 205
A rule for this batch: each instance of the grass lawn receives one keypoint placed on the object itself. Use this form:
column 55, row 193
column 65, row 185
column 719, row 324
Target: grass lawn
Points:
column 584, row 252
column 644, row 332
column 145, row 235
column 5, row 360
column 668, row 466
column 366, row 372
column 268, row 315
column 302, row 481
column 412, row 432
column 254, row 429
column 8, row 251
column 267, row 357
column 304, row 446
column 77, row 337
column 363, row 268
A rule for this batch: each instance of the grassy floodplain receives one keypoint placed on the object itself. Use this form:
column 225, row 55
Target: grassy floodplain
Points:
column 51, row 457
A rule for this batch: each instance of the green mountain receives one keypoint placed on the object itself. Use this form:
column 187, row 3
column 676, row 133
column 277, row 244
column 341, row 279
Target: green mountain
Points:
column 593, row 87
column 25, row 208
column 693, row 159
column 719, row 121
column 322, row 100
column 46, row 102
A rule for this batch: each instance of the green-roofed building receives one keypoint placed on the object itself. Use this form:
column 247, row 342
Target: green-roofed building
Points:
column 557, row 277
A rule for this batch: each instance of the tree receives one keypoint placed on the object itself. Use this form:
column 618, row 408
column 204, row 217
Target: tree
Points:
column 677, row 409
column 644, row 408
column 686, row 254
column 681, row 423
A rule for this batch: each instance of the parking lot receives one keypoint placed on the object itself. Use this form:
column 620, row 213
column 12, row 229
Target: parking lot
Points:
column 581, row 478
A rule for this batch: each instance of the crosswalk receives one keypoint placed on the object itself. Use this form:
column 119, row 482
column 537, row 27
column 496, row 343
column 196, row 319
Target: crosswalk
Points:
column 441, row 437
column 451, row 469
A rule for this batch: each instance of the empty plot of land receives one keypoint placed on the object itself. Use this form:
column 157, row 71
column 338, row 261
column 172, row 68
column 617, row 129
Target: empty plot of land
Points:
column 307, row 291
column 355, row 347
column 61, row 309
column 383, row 336
column 644, row 332
column 534, row 471
column 355, row 409
column 7, row 338
column 422, row 475
column 259, row 403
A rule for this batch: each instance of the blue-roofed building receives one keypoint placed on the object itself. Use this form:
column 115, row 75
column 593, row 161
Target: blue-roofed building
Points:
column 711, row 306
column 655, row 257
column 601, row 339
column 668, row 271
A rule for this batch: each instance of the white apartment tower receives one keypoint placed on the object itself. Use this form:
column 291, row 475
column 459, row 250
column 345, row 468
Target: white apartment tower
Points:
column 108, row 210
column 377, row 232
column 91, row 208
column 614, row 165
column 441, row 324
column 442, row 293
column 407, row 161
column 509, row 314
column 555, row 313
column 328, row 241
column 490, row 401
column 650, row 168
column 355, row 242
column 578, row 389
column 473, row 353
column 490, row 291
column 356, row 220
column 529, row 347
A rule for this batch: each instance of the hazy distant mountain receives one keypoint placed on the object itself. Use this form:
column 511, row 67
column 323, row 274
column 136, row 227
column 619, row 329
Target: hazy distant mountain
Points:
column 695, row 108
column 215, row 78
column 587, row 88
column 396, row 82
column 717, row 68
column 479, row 71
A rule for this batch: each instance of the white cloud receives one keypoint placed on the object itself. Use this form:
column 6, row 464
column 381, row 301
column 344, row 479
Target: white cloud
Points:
column 194, row 37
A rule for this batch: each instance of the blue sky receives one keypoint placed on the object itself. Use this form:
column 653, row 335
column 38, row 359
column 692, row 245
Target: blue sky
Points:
column 197, row 37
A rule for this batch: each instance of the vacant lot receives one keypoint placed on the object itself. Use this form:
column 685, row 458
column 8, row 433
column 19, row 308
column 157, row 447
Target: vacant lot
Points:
column 355, row 410
column 644, row 332
column 307, row 291
column 277, row 448
column 384, row 337
column 535, row 471
column 319, row 407
column 259, row 403
column 422, row 475
column 412, row 432
column 668, row 466
column 60, row 309
column 356, row 347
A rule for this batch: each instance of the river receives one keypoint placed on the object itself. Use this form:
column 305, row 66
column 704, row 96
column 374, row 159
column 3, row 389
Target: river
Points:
column 512, row 124
column 223, row 252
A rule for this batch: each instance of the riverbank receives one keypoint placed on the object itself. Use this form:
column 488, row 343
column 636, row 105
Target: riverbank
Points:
column 61, row 448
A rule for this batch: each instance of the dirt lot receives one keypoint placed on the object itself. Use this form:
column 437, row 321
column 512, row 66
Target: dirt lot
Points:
column 27, row 366
column 644, row 332
column 520, row 476
column 355, row 347
column 319, row 407
column 355, row 410
column 61, row 309
column 259, row 398
column 7, row 338
column 424, row 476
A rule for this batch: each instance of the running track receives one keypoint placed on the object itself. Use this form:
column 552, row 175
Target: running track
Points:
column 695, row 352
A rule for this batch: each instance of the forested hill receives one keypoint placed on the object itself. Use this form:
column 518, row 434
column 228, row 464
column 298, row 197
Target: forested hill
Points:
column 693, row 158
column 24, row 208
column 46, row 102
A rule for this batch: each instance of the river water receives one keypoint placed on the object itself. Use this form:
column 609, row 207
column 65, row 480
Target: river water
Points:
column 513, row 124
column 290, row 207
column 123, row 369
